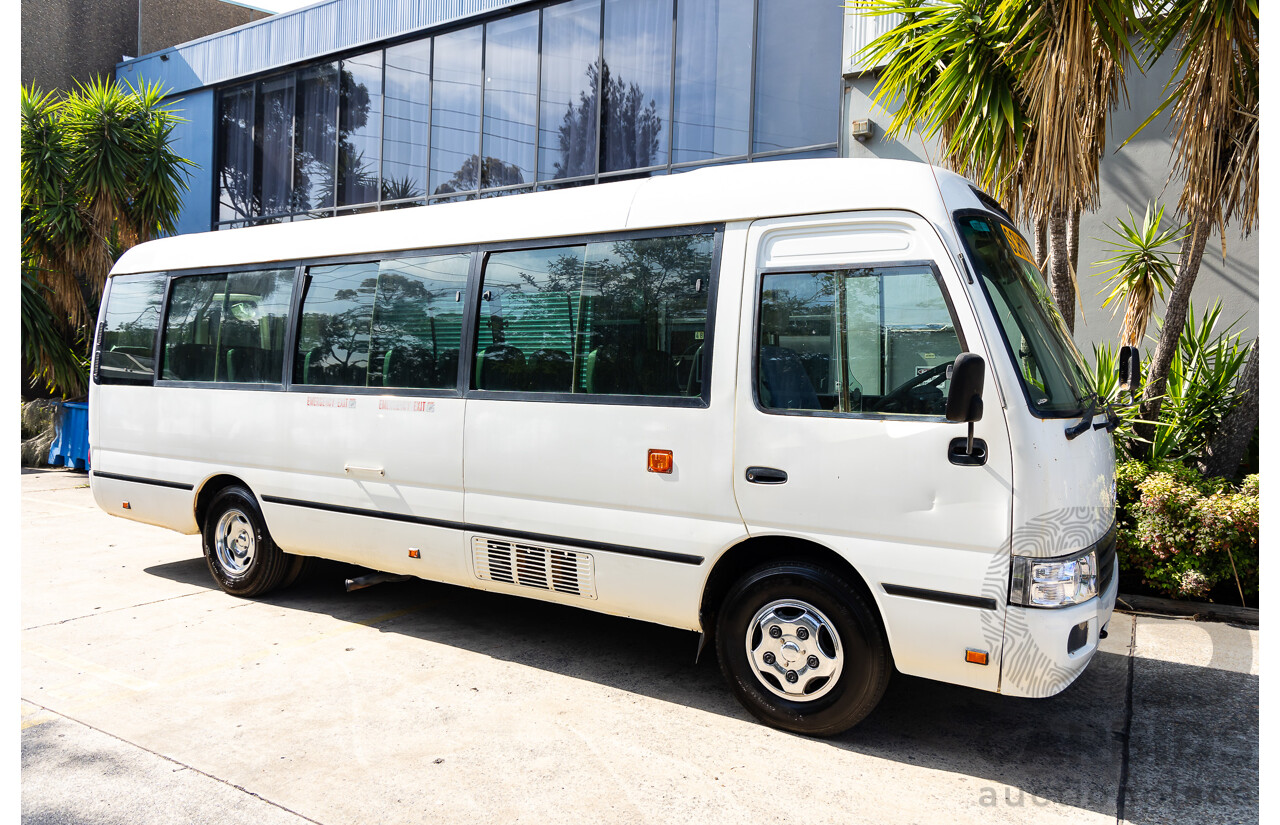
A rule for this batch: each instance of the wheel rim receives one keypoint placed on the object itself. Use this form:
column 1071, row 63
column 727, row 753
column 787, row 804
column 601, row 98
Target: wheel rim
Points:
column 794, row 650
column 234, row 543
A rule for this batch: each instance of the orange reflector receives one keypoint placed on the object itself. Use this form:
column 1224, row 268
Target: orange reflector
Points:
column 124, row 504
column 976, row 657
column 661, row 461
column 415, row 553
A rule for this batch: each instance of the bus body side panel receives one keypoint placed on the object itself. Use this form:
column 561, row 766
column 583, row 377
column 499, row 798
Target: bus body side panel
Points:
column 367, row 479
column 929, row 537
column 579, row 471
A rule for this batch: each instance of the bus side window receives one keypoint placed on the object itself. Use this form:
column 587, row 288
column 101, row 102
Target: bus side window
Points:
column 227, row 328
column 871, row 340
column 623, row 317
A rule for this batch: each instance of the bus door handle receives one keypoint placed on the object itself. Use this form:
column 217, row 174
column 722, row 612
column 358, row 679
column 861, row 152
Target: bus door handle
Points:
column 766, row 475
column 355, row 469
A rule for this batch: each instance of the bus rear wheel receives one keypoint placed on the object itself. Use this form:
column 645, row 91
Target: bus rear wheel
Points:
column 801, row 649
column 241, row 556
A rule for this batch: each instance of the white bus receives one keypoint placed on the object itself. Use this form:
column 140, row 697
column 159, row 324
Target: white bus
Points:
column 822, row 412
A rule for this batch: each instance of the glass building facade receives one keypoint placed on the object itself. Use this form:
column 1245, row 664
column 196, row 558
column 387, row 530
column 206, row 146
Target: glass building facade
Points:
column 541, row 97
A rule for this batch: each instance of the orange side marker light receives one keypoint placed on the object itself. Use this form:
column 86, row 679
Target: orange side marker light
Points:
column 661, row 461
column 975, row 657
column 415, row 553
column 125, row 505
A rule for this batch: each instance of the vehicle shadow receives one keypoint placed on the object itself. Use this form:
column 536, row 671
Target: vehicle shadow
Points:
column 1068, row 749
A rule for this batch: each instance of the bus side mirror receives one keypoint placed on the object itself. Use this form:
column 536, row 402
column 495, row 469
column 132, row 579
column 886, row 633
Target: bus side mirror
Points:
column 964, row 399
column 1130, row 368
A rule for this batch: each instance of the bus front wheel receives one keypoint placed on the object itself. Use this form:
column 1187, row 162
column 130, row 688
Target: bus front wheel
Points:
column 801, row 649
column 242, row 557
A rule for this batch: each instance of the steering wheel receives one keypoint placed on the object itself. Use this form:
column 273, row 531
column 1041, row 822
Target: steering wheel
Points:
column 930, row 378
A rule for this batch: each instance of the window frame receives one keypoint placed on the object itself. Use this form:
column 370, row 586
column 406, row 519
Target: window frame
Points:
column 758, row 296
column 701, row 401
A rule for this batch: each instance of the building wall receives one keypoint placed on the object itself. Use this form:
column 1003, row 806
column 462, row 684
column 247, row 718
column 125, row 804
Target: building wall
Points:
column 1128, row 179
column 68, row 40
column 193, row 140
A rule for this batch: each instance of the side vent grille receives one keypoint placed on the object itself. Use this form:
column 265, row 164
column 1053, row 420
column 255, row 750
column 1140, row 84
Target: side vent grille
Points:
column 528, row 565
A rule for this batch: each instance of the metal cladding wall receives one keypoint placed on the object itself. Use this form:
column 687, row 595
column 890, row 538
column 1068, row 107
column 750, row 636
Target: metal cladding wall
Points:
column 306, row 33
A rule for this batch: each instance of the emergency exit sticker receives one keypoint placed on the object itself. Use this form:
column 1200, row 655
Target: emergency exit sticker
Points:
column 406, row 405
column 332, row 401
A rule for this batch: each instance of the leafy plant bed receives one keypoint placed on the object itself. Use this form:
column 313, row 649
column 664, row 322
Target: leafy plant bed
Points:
column 1185, row 536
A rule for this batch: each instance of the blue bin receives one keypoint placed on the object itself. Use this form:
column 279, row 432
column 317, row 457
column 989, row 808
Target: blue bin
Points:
column 70, row 446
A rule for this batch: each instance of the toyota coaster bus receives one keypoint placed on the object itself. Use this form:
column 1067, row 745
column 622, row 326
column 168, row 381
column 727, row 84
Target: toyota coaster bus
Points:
column 822, row 412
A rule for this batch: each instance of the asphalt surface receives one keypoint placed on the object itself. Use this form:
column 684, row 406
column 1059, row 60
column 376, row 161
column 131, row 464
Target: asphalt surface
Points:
column 149, row 696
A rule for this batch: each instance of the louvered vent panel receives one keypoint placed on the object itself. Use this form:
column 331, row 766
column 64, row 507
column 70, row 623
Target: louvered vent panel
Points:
column 528, row 565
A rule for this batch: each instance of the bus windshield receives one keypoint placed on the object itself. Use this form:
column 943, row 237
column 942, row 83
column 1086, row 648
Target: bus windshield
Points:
column 1049, row 365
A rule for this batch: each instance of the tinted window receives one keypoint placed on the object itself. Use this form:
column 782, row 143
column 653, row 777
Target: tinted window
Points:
column 510, row 100
column 337, row 313
column 359, row 129
column 404, row 145
column 624, row 317
column 570, row 77
column 637, row 84
column 797, row 73
column 870, row 340
column 228, row 327
column 713, row 93
column 417, row 322
column 315, row 147
column 235, row 154
column 273, row 147
column 127, row 354
column 455, row 112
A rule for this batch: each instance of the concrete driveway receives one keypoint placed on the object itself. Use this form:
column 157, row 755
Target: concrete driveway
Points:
column 149, row 696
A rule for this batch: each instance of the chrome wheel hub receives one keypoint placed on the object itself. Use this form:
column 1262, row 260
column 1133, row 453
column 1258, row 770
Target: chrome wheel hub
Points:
column 234, row 544
column 794, row 650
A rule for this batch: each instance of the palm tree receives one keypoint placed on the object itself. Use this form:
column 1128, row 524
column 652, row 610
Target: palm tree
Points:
column 1019, row 92
column 98, row 176
column 1214, row 99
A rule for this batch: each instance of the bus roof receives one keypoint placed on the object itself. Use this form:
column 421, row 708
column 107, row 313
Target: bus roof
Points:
column 713, row 194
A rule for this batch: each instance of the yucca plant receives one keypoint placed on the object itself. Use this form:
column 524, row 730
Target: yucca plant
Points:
column 98, row 176
column 1139, row 270
column 1200, row 388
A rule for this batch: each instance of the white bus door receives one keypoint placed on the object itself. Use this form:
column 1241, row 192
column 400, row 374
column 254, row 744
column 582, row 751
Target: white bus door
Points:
column 841, row 436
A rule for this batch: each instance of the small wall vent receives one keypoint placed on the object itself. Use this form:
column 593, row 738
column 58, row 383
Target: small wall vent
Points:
column 529, row 565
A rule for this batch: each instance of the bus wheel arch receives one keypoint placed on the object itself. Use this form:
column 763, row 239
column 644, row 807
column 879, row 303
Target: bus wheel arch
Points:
column 755, row 551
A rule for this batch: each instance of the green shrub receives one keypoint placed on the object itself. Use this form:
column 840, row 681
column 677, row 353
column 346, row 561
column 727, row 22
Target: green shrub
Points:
column 1185, row 534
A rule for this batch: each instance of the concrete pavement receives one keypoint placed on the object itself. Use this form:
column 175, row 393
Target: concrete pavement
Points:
column 149, row 696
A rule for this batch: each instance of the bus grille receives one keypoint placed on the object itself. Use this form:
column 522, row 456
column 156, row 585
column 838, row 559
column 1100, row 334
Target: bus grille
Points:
column 528, row 565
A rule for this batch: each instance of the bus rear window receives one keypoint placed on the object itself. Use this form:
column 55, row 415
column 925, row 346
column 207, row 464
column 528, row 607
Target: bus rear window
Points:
column 127, row 351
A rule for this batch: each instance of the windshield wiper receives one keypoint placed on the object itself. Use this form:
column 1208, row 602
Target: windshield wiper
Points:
column 1086, row 419
column 1087, row 416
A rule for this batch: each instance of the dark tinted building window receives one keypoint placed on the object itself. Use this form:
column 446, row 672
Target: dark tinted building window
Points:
column 315, row 139
column 235, row 154
column 797, row 73
column 570, row 78
column 636, row 87
column 359, row 129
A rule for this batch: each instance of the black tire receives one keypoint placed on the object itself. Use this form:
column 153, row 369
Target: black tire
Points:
column 300, row 568
column 859, row 652
column 248, row 562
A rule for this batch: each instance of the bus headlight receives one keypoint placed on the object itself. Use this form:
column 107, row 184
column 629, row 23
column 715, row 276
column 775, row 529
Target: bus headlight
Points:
column 1055, row 582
